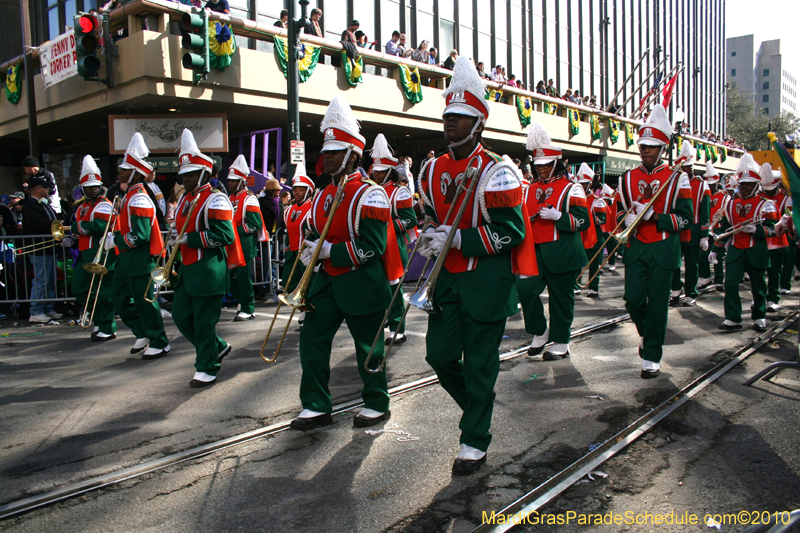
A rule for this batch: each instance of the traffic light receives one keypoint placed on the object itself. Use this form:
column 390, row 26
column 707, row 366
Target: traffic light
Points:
column 86, row 45
column 195, row 39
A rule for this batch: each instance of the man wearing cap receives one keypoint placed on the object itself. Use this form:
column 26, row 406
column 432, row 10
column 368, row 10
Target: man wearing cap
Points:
column 598, row 212
column 91, row 220
column 294, row 218
column 269, row 203
column 781, row 252
column 384, row 172
column 475, row 289
column 694, row 238
column 717, row 201
column 209, row 247
column 748, row 251
column 250, row 228
column 349, row 35
column 38, row 216
column 31, row 168
column 352, row 284
column 559, row 214
column 654, row 251
column 139, row 243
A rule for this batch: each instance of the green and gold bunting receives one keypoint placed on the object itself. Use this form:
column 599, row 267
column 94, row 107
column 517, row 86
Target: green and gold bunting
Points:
column 574, row 121
column 791, row 174
column 305, row 66
column 711, row 153
column 493, row 94
column 13, row 84
column 613, row 127
column 353, row 69
column 723, row 154
column 699, row 148
column 524, row 108
column 221, row 44
column 628, row 135
column 594, row 122
column 550, row 109
column 412, row 86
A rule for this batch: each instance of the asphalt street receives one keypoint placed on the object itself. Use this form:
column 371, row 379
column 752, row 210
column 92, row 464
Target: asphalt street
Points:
column 73, row 409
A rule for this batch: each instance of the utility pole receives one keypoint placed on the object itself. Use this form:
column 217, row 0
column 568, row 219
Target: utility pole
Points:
column 27, row 64
column 293, row 78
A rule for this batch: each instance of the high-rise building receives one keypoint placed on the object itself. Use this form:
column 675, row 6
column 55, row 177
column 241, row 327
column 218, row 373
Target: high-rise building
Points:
column 762, row 74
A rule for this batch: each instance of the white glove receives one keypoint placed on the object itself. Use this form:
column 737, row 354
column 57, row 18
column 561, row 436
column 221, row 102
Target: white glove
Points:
column 67, row 242
column 456, row 238
column 750, row 228
column 183, row 240
column 639, row 207
column 109, row 242
column 423, row 243
column 550, row 213
column 712, row 258
column 172, row 236
column 311, row 246
column 629, row 218
column 704, row 244
column 782, row 226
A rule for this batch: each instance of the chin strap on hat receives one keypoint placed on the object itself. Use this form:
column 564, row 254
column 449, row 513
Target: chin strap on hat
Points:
column 481, row 120
column 344, row 161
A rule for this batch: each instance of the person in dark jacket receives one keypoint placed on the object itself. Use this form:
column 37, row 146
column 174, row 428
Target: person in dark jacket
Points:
column 270, row 205
column 38, row 216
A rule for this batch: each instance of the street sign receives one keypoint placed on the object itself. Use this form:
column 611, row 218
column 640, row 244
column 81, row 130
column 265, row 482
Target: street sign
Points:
column 297, row 152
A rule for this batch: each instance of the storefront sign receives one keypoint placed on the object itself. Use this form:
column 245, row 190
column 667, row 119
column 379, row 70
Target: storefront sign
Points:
column 58, row 59
column 163, row 165
column 619, row 165
column 162, row 133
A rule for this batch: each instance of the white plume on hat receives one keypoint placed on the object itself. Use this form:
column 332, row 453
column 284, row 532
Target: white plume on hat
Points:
column 608, row 192
column 465, row 78
column 339, row 116
column 90, row 173
column 137, row 150
column 539, row 142
column 768, row 179
column 748, row 169
column 189, row 147
column 688, row 151
column 241, row 168
column 712, row 176
column 585, row 173
column 658, row 120
column 381, row 150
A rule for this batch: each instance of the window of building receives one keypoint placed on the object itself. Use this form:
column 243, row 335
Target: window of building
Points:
column 766, row 72
column 766, row 85
column 765, row 98
column 733, row 72
column 390, row 20
column 733, row 54
column 766, row 111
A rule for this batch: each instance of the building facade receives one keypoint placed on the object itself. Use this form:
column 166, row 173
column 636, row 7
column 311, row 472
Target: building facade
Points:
column 762, row 74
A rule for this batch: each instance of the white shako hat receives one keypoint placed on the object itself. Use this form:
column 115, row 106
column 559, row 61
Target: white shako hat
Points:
column 465, row 95
column 382, row 154
column 340, row 128
column 748, row 170
column 239, row 169
column 731, row 183
column 657, row 130
column 585, row 174
column 191, row 158
column 544, row 151
column 769, row 180
column 689, row 152
column 301, row 179
column 712, row 176
column 135, row 154
column 608, row 192
column 90, row 173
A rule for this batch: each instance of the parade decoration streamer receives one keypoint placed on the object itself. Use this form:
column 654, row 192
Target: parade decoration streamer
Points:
column 711, row 153
column 574, row 121
column 550, row 109
column 493, row 94
column 221, row 45
column 613, row 127
column 353, row 69
column 628, row 135
column 699, row 148
column 524, row 108
column 305, row 65
column 723, row 154
column 13, row 84
column 412, row 86
column 594, row 122
column 791, row 175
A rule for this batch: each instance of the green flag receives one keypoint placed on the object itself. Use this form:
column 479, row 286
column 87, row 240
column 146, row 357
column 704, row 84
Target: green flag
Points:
column 13, row 84
column 594, row 122
column 353, row 69
column 524, row 108
column 412, row 87
column 574, row 121
column 613, row 127
column 791, row 176
column 628, row 135
column 305, row 65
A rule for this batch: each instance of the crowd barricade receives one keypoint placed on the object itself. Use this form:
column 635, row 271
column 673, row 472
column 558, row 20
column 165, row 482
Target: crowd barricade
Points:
column 16, row 271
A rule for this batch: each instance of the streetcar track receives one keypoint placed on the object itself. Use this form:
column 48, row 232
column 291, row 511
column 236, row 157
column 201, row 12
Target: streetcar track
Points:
column 552, row 488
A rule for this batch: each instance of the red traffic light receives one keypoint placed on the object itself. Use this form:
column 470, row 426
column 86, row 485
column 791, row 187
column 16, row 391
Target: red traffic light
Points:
column 88, row 23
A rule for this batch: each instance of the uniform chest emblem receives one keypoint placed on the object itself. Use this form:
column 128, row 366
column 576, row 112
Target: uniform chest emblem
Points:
column 542, row 195
column 295, row 214
column 326, row 205
column 647, row 190
column 714, row 202
column 743, row 209
column 448, row 186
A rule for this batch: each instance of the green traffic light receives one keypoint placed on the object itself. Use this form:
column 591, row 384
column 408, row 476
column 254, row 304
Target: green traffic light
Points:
column 88, row 66
column 194, row 61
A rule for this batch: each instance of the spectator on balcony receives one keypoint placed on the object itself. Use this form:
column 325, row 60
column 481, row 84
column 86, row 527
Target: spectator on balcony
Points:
column 551, row 89
column 363, row 41
column 314, row 28
column 540, row 88
column 283, row 22
column 218, row 6
column 349, row 35
column 512, row 80
column 432, row 57
column 451, row 60
column 391, row 47
column 568, row 96
column 479, row 67
column 576, row 97
column 497, row 74
column 586, row 101
column 420, row 53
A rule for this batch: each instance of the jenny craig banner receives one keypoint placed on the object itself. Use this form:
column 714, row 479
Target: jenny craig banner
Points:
column 58, row 59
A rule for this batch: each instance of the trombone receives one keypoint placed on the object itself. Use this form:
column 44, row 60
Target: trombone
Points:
column 291, row 316
column 57, row 229
column 600, row 251
column 738, row 228
column 423, row 297
column 164, row 276
column 97, row 268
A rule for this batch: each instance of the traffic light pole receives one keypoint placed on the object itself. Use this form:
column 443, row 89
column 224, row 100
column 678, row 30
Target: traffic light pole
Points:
column 293, row 78
column 30, row 94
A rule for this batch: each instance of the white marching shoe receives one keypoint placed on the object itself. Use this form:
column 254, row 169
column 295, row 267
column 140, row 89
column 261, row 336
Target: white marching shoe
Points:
column 537, row 345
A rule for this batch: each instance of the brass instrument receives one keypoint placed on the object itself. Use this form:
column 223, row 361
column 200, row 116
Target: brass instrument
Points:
column 738, row 228
column 291, row 315
column 98, row 269
column 165, row 276
column 59, row 232
column 600, row 251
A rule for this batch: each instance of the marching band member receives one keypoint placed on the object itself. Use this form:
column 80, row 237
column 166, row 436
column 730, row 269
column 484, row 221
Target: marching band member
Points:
column 654, row 251
column 558, row 211
column 139, row 243
column 475, row 288
column 250, row 228
column 598, row 212
column 717, row 200
column 383, row 172
column 209, row 247
column 91, row 219
column 748, row 250
column 694, row 238
column 352, row 284
column 294, row 218
column 781, row 255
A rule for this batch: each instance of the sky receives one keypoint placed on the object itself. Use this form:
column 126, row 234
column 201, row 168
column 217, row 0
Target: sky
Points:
column 774, row 19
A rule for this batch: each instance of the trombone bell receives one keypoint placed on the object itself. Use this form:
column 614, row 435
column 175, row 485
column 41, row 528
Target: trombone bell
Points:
column 296, row 300
column 159, row 279
column 421, row 300
column 95, row 268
